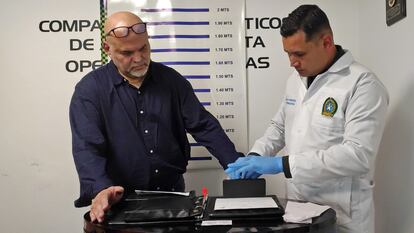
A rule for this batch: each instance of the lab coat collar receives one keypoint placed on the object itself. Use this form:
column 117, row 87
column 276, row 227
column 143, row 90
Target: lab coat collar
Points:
column 342, row 63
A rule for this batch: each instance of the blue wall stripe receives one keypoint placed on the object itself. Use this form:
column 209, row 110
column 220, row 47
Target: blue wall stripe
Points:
column 179, row 23
column 202, row 90
column 175, row 10
column 180, row 50
column 179, row 36
column 186, row 63
column 197, row 76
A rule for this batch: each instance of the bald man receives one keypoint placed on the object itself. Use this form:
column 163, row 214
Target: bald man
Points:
column 130, row 119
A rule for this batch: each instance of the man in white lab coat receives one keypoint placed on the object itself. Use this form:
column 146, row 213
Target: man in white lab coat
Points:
column 330, row 122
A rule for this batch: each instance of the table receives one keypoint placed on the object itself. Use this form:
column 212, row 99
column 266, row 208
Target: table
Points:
column 322, row 224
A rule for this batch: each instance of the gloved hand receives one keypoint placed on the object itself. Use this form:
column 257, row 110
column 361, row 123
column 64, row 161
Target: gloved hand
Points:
column 233, row 175
column 231, row 172
column 250, row 166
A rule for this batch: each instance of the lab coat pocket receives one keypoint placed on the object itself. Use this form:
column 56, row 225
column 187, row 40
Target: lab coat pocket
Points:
column 335, row 193
column 328, row 118
column 343, row 196
column 328, row 125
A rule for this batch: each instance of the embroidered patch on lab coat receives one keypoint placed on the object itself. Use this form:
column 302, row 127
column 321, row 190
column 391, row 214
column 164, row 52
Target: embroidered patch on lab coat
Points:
column 329, row 107
column 290, row 101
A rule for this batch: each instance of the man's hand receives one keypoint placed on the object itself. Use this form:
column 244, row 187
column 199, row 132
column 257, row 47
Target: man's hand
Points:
column 234, row 175
column 249, row 167
column 103, row 202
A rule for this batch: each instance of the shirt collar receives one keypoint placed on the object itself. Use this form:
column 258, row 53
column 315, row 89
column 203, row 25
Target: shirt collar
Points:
column 117, row 78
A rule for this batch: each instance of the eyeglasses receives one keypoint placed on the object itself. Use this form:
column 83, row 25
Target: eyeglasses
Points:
column 123, row 31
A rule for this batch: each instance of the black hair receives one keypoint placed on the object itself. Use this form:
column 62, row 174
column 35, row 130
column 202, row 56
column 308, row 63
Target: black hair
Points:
column 308, row 18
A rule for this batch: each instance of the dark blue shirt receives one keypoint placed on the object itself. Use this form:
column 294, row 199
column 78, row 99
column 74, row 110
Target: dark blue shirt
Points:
column 136, row 138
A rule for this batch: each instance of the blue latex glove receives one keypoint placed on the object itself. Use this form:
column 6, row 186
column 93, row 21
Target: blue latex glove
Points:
column 248, row 167
column 233, row 175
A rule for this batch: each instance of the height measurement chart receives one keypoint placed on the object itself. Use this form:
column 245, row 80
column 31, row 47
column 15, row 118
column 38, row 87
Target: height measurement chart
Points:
column 204, row 40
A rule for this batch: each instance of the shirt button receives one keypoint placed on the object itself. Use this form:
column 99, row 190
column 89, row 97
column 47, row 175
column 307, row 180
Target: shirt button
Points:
column 158, row 188
column 172, row 189
column 141, row 112
column 156, row 170
column 151, row 151
column 146, row 131
column 139, row 92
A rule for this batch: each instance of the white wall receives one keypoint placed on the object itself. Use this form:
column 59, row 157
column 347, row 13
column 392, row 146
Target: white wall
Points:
column 266, row 86
column 38, row 180
column 37, row 174
column 389, row 52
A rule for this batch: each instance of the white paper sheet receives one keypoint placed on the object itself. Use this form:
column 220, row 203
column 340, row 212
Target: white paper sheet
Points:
column 298, row 212
column 216, row 223
column 244, row 203
column 162, row 192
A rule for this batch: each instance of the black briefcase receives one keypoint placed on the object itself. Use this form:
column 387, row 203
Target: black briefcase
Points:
column 157, row 209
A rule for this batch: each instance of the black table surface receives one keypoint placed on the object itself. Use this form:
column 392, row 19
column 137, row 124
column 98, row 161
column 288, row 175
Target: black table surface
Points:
column 322, row 224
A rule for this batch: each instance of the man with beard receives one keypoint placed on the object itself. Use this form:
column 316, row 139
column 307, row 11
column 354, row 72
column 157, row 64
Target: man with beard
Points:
column 130, row 119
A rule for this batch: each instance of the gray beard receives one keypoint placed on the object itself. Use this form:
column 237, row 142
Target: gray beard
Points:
column 139, row 74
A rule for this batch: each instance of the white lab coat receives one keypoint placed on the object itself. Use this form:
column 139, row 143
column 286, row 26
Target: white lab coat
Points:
column 332, row 159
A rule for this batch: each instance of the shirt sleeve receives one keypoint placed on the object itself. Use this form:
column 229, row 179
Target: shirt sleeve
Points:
column 205, row 128
column 363, row 128
column 88, row 142
column 273, row 139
